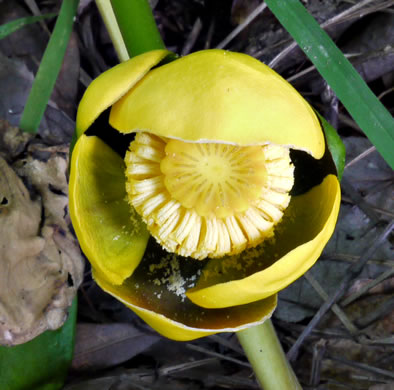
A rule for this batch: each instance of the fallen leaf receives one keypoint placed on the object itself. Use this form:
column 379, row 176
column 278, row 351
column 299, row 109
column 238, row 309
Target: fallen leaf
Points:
column 101, row 346
column 41, row 265
column 12, row 141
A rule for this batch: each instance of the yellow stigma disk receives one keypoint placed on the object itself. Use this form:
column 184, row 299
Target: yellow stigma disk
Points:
column 207, row 199
column 216, row 180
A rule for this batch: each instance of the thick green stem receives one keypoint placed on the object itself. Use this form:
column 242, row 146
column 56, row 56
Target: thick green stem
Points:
column 137, row 25
column 108, row 16
column 267, row 358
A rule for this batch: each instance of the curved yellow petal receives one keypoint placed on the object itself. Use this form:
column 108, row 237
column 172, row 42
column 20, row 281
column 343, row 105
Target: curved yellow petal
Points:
column 101, row 217
column 208, row 321
column 106, row 89
column 215, row 95
column 311, row 224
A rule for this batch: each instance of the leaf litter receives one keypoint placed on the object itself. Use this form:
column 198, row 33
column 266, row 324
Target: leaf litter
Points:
column 333, row 354
column 41, row 265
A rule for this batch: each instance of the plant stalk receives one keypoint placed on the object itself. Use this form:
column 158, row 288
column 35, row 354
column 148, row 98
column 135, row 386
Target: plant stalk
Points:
column 137, row 25
column 265, row 354
column 107, row 13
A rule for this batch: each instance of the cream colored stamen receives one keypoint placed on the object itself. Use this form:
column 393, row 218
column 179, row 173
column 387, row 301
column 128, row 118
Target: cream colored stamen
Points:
column 207, row 200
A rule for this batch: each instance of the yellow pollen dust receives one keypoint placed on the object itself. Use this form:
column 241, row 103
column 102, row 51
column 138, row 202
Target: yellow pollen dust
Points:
column 207, row 199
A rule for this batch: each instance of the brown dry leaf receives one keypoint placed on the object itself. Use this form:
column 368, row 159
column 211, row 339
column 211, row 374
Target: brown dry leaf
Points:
column 99, row 346
column 132, row 380
column 367, row 349
column 387, row 386
column 41, row 266
column 12, row 141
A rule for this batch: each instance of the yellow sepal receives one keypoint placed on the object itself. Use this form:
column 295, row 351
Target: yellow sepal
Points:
column 315, row 213
column 245, row 316
column 110, row 233
column 106, row 89
column 219, row 96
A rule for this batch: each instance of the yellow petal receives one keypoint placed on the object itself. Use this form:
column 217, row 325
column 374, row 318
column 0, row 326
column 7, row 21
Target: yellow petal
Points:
column 112, row 237
column 307, row 226
column 106, row 89
column 181, row 320
column 215, row 95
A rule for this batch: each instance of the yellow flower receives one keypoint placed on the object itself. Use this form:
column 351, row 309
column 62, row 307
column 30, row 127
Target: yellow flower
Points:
column 229, row 167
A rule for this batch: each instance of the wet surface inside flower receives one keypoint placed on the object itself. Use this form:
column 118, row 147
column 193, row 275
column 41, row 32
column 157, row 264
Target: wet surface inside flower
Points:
column 160, row 284
column 206, row 199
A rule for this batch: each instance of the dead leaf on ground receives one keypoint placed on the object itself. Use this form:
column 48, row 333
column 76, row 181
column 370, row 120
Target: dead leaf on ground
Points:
column 99, row 346
column 28, row 43
column 387, row 386
column 41, row 265
column 12, row 141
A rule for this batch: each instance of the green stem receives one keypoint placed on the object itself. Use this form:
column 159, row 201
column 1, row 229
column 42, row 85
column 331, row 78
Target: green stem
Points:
column 108, row 16
column 267, row 358
column 137, row 25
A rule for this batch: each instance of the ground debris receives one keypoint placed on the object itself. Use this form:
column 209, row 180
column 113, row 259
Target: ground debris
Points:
column 41, row 266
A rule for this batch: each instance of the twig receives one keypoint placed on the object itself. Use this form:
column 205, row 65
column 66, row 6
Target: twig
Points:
column 253, row 15
column 367, row 287
column 326, row 333
column 335, row 308
column 185, row 366
column 319, row 350
column 365, row 153
column 228, row 344
column 383, row 309
column 219, row 355
column 312, row 68
column 36, row 12
column 211, row 30
column 353, row 259
column 382, row 341
column 352, row 272
column 230, row 382
column 336, row 19
column 363, row 367
column 384, row 93
column 191, row 39
column 359, row 201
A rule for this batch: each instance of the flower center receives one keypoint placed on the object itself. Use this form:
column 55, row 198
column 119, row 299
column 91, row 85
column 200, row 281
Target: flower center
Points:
column 216, row 180
column 207, row 199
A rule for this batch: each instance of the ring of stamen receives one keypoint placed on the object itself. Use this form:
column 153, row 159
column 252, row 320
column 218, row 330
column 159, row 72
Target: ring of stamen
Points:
column 207, row 199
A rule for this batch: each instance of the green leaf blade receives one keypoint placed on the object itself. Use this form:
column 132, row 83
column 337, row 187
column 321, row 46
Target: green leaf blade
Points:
column 49, row 68
column 10, row 27
column 366, row 109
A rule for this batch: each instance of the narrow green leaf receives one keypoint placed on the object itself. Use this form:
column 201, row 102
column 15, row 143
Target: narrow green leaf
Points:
column 137, row 25
column 352, row 91
column 49, row 68
column 10, row 27
column 42, row 363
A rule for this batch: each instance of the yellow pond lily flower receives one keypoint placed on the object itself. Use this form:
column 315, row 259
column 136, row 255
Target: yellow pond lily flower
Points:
column 224, row 164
